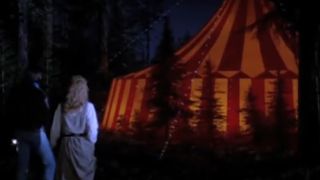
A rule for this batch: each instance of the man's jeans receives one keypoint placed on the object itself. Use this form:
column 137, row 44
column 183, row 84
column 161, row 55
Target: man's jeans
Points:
column 36, row 141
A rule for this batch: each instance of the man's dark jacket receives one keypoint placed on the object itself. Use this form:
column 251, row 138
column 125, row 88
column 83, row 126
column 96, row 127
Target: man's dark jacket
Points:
column 29, row 110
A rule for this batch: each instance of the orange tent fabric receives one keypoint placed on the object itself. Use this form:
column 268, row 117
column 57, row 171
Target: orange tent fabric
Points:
column 245, row 50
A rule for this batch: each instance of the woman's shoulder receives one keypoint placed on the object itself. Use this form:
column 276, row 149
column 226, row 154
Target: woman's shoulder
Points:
column 90, row 105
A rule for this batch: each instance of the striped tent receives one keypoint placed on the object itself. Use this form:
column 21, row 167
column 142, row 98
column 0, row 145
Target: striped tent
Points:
column 247, row 52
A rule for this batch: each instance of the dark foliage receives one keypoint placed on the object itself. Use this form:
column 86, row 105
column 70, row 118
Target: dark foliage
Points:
column 165, row 79
column 301, row 17
column 123, row 159
column 258, row 128
column 283, row 119
column 130, row 25
column 166, row 46
column 209, row 111
column 288, row 11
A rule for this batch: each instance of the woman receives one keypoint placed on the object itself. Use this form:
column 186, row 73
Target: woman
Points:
column 75, row 127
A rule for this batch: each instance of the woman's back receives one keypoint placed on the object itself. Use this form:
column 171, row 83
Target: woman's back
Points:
column 74, row 121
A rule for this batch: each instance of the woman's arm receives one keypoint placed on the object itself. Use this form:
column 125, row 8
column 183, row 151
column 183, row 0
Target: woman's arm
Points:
column 92, row 123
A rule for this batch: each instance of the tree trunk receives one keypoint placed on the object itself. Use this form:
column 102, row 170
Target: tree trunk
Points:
column 148, row 47
column 104, row 64
column 23, row 33
column 48, row 33
column 147, row 33
column 308, row 113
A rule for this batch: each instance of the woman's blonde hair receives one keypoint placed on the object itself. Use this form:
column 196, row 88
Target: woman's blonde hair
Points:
column 77, row 93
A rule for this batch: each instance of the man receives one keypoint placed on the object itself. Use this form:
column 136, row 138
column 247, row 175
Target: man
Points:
column 31, row 113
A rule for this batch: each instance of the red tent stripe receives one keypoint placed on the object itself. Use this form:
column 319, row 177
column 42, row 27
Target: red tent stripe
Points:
column 119, row 103
column 198, row 57
column 130, row 100
column 145, row 102
column 232, row 56
column 112, row 98
column 107, row 108
column 287, row 38
column 233, row 107
column 270, row 55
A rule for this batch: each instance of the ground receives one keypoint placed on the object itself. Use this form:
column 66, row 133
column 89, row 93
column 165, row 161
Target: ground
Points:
column 120, row 158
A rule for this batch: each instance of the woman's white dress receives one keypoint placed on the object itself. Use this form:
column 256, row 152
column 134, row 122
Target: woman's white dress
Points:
column 77, row 131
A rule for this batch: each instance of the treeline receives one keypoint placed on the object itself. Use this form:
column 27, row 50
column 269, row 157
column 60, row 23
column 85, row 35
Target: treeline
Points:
column 99, row 39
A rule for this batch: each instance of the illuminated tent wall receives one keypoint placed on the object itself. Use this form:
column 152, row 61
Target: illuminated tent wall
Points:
column 243, row 54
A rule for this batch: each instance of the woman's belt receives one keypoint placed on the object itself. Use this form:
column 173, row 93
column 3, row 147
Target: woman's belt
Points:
column 74, row 135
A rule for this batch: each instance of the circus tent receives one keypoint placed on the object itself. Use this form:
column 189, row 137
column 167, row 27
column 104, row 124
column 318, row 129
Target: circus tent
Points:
column 246, row 52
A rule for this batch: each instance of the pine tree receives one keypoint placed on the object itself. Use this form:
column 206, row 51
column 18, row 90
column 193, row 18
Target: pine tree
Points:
column 130, row 25
column 23, row 7
column 9, row 66
column 169, row 105
column 104, row 62
column 148, row 13
column 8, row 71
column 118, row 39
column 258, row 129
column 164, row 78
column 283, row 118
column 48, row 36
column 309, row 80
column 296, row 14
column 209, row 109
column 183, row 40
column 166, row 46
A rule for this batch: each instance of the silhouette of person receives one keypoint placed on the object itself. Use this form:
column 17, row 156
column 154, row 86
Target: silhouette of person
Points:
column 31, row 113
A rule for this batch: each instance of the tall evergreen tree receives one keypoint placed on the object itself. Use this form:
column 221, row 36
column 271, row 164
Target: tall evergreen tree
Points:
column 104, row 23
column 130, row 25
column 297, row 13
column 8, row 48
column 23, row 7
column 309, row 78
column 164, row 79
column 209, row 110
column 8, row 67
column 120, row 54
column 282, row 117
column 48, row 33
column 150, row 13
column 170, row 106
column 258, row 128
column 166, row 46
column 183, row 40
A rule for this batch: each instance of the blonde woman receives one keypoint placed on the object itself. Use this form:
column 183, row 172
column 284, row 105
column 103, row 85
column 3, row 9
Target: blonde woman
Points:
column 75, row 127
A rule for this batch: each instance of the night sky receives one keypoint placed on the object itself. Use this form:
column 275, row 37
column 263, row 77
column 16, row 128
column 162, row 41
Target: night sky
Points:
column 186, row 17
column 191, row 15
